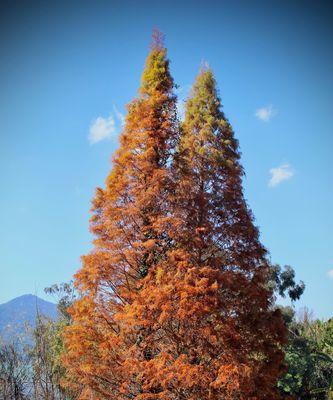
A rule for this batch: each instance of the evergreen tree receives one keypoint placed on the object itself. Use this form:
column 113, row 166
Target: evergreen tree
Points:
column 128, row 219
column 207, row 306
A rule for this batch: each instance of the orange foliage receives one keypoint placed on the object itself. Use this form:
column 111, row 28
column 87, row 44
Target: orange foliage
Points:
column 174, row 303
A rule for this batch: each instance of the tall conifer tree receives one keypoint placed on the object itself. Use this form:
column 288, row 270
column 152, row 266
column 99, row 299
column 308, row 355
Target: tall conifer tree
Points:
column 219, row 232
column 212, row 333
column 128, row 219
column 174, row 300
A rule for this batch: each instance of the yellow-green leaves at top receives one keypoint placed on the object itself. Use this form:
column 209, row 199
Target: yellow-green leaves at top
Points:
column 156, row 75
column 207, row 135
column 128, row 222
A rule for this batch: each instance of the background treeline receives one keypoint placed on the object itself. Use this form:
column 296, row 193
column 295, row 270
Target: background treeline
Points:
column 36, row 372
column 31, row 366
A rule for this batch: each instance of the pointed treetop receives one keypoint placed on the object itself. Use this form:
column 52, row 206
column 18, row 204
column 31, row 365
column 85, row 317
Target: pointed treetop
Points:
column 205, row 78
column 157, row 40
column 204, row 101
column 204, row 85
column 204, row 66
column 156, row 75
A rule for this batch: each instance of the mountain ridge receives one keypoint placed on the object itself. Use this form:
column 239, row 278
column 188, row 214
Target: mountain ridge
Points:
column 18, row 315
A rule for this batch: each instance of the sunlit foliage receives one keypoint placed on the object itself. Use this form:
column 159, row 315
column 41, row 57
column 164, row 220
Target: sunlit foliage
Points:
column 174, row 298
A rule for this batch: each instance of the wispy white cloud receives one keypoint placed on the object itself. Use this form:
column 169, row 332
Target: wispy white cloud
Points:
column 266, row 113
column 330, row 273
column 280, row 174
column 101, row 128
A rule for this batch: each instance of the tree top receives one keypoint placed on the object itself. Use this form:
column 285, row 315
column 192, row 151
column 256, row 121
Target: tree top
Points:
column 157, row 40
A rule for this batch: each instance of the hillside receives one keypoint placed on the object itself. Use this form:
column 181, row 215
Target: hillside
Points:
column 20, row 313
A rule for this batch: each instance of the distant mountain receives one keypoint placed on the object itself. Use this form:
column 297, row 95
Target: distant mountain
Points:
column 20, row 313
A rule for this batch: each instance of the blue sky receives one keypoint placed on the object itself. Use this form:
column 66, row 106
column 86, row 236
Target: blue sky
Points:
column 68, row 69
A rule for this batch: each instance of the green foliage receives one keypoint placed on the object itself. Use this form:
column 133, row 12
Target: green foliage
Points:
column 283, row 281
column 48, row 348
column 309, row 356
column 36, row 371
column 292, row 382
column 155, row 76
column 65, row 294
